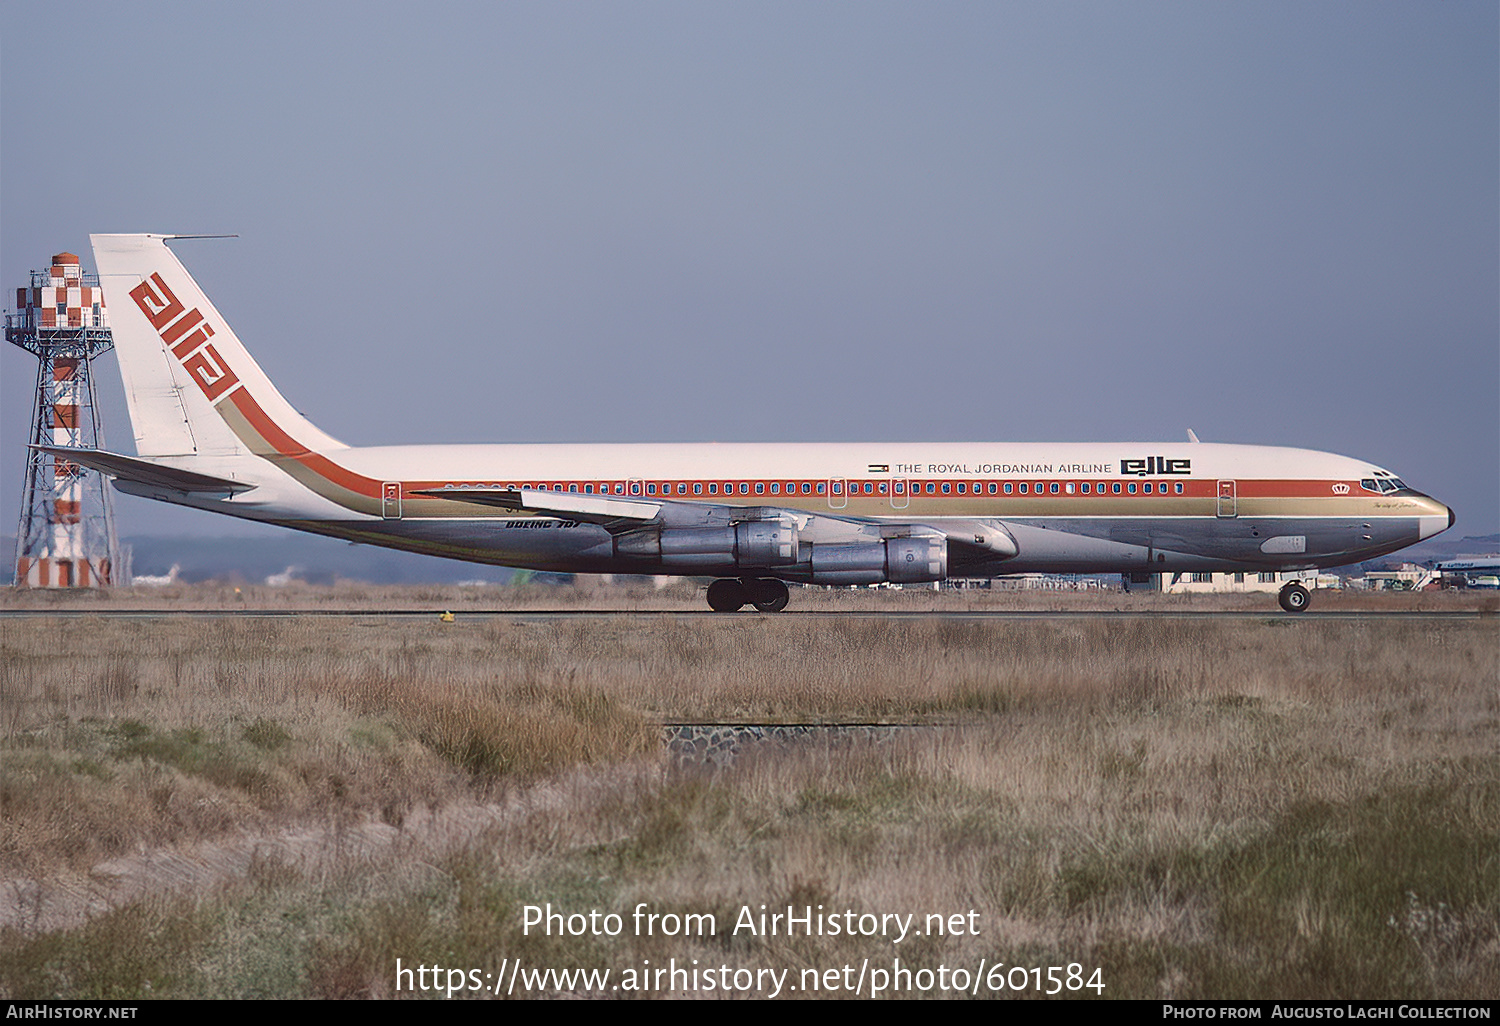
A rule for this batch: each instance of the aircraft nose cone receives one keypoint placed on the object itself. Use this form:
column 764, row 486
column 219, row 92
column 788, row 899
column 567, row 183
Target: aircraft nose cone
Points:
column 1431, row 525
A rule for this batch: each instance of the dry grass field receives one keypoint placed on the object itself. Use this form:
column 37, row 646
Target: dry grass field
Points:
column 1245, row 807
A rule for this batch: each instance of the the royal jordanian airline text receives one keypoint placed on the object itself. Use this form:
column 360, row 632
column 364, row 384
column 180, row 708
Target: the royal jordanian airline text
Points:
column 1003, row 468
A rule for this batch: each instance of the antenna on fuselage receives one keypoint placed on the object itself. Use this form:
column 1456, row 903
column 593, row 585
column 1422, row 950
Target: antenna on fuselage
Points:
column 1192, row 436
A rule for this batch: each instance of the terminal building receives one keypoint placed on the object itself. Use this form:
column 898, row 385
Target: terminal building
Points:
column 1233, row 583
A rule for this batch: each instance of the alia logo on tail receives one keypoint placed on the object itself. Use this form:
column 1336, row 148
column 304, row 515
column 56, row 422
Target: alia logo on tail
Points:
column 186, row 335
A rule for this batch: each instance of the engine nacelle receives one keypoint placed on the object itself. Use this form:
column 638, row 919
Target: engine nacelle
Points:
column 918, row 560
column 751, row 544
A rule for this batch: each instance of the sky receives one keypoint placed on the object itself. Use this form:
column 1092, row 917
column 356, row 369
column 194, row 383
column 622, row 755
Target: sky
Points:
column 1274, row 223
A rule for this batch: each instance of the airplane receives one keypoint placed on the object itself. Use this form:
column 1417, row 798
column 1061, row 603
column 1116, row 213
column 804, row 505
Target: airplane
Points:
column 212, row 432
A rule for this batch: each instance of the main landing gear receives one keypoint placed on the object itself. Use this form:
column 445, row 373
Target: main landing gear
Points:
column 765, row 593
column 1294, row 598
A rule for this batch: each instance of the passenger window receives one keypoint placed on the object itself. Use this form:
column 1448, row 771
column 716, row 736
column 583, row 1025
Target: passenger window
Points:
column 681, row 487
column 869, row 487
column 947, row 488
column 1024, row 488
column 882, row 488
column 651, row 489
column 760, row 488
column 1146, row 488
column 697, row 487
column 1007, row 488
column 962, row 488
column 775, row 487
column 1068, row 488
column 838, row 488
column 1177, row 487
column 1085, row 487
column 929, row 488
column 992, row 488
column 744, row 488
column 822, row 487
column 1132, row 488
column 1115, row 488
column 806, row 488
column 713, row 488
column 1053, row 489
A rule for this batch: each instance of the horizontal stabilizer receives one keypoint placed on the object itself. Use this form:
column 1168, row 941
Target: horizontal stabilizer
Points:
column 131, row 468
column 591, row 508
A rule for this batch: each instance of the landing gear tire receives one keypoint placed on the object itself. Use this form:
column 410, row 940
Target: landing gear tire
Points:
column 1294, row 598
column 727, row 596
column 767, row 594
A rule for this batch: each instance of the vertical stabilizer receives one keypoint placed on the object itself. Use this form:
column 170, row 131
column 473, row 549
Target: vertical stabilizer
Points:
column 183, row 367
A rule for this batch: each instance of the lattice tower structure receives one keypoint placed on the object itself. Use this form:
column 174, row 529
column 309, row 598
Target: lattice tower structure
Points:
column 66, row 536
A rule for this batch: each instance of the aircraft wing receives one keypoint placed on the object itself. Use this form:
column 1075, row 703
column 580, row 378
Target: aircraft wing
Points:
column 146, row 472
column 971, row 540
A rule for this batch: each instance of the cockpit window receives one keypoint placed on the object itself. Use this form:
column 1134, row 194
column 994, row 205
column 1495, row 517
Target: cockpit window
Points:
column 1369, row 485
column 1383, row 482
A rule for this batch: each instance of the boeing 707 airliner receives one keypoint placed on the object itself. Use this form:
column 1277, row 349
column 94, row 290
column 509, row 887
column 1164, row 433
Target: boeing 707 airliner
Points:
column 212, row 432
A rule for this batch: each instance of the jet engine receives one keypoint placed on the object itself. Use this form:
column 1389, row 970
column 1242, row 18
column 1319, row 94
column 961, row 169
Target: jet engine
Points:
column 750, row 544
column 912, row 560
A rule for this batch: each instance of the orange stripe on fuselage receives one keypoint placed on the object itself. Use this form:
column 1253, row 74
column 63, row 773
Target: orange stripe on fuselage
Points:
column 289, row 448
column 1299, row 489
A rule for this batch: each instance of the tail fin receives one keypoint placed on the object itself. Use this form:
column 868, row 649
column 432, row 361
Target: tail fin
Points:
column 189, row 382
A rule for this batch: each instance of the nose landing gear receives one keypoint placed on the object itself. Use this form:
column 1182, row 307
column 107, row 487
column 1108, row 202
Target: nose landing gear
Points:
column 1294, row 598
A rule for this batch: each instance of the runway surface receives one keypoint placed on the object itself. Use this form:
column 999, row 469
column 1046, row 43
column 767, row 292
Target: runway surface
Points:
column 534, row 615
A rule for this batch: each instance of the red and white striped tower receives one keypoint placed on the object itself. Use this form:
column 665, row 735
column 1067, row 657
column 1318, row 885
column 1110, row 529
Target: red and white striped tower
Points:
column 66, row 537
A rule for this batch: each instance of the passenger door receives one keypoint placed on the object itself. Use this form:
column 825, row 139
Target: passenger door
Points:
column 1228, row 501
